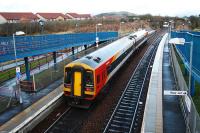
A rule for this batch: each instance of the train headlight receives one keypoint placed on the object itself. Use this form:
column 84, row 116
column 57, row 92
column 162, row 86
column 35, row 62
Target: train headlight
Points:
column 89, row 89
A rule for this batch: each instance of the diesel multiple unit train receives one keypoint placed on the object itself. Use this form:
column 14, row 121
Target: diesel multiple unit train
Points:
column 84, row 78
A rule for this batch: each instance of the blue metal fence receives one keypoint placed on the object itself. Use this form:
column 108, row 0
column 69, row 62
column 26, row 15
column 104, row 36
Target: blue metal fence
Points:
column 184, row 50
column 35, row 45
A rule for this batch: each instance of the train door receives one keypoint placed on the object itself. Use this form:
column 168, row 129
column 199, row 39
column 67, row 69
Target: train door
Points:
column 77, row 83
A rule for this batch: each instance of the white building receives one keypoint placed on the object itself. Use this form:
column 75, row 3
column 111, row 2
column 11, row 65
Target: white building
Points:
column 76, row 16
column 52, row 16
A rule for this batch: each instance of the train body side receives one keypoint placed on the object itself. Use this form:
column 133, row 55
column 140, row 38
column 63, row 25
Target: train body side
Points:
column 100, row 65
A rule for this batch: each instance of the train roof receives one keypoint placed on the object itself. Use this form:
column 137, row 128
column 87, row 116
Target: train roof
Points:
column 101, row 55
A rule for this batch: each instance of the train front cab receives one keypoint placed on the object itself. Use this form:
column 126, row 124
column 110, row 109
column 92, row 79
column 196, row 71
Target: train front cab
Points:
column 79, row 86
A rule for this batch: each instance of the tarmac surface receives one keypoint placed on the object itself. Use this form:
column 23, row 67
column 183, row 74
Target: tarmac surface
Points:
column 173, row 120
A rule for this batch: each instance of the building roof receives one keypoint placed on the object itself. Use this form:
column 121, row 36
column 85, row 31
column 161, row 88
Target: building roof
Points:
column 52, row 15
column 74, row 15
column 18, row 15
column 85, row 15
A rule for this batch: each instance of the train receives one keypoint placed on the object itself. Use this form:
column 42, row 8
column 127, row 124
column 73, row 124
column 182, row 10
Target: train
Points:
column 85, row 77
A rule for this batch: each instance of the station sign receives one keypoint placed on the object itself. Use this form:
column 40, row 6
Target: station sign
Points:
column 173, row 93
column 18, row 74
column 17, row 69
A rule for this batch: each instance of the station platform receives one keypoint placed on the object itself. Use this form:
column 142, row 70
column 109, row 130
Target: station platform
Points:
column 23, row 116
column 162, row 112
column 14, row 118
column 173, row 120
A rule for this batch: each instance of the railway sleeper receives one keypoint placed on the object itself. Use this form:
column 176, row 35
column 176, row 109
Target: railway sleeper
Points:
column 121, row 113
column 122, row 118
column 115, row 131
column 119, row 126
column 122, row 122
column 126, row 110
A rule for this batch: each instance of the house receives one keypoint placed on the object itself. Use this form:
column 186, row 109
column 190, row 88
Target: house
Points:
column 17, row 17
column 85, row 16
column 73, row 16
column 76, row 16
column 52, row 16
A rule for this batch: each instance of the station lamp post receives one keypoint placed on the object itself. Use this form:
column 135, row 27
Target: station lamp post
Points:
column 181, row 41
column 120, row 26
column 97, row 38
column 77, row 27
column 18, row 33
column 171, row 22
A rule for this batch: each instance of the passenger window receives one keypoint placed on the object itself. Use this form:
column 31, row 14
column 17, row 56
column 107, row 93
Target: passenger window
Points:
column 98, row 79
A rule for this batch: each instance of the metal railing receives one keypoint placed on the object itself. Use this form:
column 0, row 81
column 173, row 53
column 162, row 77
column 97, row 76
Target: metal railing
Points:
column 188, row 108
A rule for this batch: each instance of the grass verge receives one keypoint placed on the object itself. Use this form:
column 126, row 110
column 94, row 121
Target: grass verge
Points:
column 10, row 73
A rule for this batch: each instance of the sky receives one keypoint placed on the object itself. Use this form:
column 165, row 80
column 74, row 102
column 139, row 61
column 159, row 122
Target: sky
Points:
column 154, row 7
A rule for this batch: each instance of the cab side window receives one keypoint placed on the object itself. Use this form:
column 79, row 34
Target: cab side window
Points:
column 98, row 79
column 68, row 74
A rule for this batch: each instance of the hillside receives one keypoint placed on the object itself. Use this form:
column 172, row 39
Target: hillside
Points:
column 119, row 14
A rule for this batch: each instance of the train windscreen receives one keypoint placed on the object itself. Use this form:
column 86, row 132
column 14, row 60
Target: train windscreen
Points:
column 68, row 76
column 89, row 81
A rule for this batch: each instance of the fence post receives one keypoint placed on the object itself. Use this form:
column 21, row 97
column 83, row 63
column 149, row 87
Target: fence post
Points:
column 27, row 70
column 2, row 67
column 34, row 89
column 54, row 60
column 85, row 46
column 72, row 50
column 46, row 59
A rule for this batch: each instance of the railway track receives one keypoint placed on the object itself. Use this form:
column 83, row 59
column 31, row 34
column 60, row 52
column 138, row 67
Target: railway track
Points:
column 57, row 120
column 74, row 119
column 129, row 109
column 69, row 122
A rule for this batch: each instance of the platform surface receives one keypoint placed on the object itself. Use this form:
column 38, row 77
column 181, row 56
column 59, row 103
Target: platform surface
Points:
column 173, row 119
column 24, row 117
column 162, row 112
